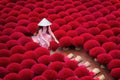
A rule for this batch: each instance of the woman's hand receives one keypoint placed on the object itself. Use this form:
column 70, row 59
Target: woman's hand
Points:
column 56, row 41
column 48, row 43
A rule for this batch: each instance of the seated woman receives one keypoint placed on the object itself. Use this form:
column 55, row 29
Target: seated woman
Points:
column 44, row 34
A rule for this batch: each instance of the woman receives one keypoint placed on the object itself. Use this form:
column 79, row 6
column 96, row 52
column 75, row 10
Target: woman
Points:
column 44, row 34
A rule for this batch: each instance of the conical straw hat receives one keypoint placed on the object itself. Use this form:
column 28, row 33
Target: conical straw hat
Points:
column 44, row 22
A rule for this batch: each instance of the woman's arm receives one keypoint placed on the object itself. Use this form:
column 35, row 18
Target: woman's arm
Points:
column 51, row 33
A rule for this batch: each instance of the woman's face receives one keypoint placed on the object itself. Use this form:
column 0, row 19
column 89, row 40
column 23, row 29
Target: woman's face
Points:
column 44, row 29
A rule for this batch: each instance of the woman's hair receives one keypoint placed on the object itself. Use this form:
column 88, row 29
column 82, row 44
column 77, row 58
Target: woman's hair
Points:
column 41, row 27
